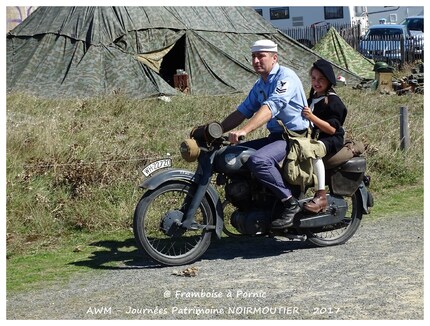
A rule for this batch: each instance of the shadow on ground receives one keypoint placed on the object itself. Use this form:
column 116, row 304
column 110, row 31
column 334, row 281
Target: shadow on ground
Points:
column 114, row 254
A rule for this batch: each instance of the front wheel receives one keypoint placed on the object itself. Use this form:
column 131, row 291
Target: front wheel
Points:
column 158, row 212
column 341, row 232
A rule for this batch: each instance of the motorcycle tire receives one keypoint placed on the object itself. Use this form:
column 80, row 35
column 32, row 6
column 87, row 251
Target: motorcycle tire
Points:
column 340, row 233
column 153, row 212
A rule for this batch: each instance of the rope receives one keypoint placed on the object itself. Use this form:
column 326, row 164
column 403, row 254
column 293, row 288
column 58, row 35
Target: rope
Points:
column 143, row 159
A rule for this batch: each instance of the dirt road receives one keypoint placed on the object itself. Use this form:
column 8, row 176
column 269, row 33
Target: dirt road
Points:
column 378, row 274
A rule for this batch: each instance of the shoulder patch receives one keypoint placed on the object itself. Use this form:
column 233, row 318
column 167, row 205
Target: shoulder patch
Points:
column 281, row 87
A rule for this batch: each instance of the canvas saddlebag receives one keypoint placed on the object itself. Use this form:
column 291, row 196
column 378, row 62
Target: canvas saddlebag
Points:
column 346, row 178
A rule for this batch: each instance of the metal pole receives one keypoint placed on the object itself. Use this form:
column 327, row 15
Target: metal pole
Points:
column 405, row 140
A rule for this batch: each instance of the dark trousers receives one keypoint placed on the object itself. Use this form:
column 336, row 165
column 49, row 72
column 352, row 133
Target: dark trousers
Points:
column 264, row 163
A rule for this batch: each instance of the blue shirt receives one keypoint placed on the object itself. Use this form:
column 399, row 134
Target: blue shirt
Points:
column 283, row 93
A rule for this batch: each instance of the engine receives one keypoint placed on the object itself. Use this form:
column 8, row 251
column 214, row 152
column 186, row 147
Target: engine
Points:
column 253, row 215
column 251, row 222
column 238, row 192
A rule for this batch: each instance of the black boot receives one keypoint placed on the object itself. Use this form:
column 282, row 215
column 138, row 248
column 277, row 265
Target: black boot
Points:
column 292, row 207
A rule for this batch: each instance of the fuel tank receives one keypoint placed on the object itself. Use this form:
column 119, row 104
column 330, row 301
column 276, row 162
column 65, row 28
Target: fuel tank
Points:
column 232, row 159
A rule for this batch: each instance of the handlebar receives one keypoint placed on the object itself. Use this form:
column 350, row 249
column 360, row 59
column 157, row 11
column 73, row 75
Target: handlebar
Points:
column 223, row 140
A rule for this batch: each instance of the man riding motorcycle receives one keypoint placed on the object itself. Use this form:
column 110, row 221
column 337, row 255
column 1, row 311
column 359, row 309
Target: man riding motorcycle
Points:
column 277, row 96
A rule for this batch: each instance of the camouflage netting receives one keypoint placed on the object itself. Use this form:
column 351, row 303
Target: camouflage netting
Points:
column 335, row 49
column 88, row 51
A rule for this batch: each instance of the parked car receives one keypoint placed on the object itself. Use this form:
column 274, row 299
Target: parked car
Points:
column 415, row 25
column 386, row 42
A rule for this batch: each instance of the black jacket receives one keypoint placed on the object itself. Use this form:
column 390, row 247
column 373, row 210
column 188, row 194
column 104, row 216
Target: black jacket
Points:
column 334, row 112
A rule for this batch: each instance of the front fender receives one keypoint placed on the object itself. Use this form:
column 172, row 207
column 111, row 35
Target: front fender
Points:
column 157, row 179
column 168, row 175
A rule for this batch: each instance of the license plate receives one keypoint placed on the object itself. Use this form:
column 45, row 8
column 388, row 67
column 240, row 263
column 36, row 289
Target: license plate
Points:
column 157, row 165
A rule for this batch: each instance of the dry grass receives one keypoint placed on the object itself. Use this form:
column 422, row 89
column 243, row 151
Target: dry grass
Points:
column 74, row 165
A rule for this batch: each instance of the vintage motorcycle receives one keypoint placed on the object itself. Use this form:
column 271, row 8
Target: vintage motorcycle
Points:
column 180, row 210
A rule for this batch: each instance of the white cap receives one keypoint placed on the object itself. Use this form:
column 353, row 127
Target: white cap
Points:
column 264, row 46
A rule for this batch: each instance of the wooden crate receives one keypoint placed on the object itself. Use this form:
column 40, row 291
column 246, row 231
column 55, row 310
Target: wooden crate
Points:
column 181, row 82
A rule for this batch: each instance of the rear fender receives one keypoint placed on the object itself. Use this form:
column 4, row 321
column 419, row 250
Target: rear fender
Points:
column 169, row 175
column 366, row 198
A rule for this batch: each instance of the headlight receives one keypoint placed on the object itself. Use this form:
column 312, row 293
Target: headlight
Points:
column 190, row 150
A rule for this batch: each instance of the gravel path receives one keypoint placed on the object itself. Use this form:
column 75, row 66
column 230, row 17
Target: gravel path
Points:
column 378, row 274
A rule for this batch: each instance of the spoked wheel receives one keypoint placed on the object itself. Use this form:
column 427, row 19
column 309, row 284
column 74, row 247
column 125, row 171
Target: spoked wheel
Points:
column 156, row 225
column 342, row 231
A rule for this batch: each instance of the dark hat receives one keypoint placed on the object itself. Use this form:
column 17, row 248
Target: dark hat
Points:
column 326, row 69
column 382, row 67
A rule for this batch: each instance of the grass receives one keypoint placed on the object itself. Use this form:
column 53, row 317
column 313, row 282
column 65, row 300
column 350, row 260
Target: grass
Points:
column 401, row 200
column 78, row 253
column 74, row 165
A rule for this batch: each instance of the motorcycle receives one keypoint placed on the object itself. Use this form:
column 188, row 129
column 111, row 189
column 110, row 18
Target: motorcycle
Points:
column 180, row 210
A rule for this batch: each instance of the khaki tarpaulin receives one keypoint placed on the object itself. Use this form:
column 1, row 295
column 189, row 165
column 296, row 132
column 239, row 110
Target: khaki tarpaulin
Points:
column 154, row 59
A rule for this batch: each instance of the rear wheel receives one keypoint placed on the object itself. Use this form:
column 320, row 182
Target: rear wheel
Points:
column 157, row 228
column 341, row 232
